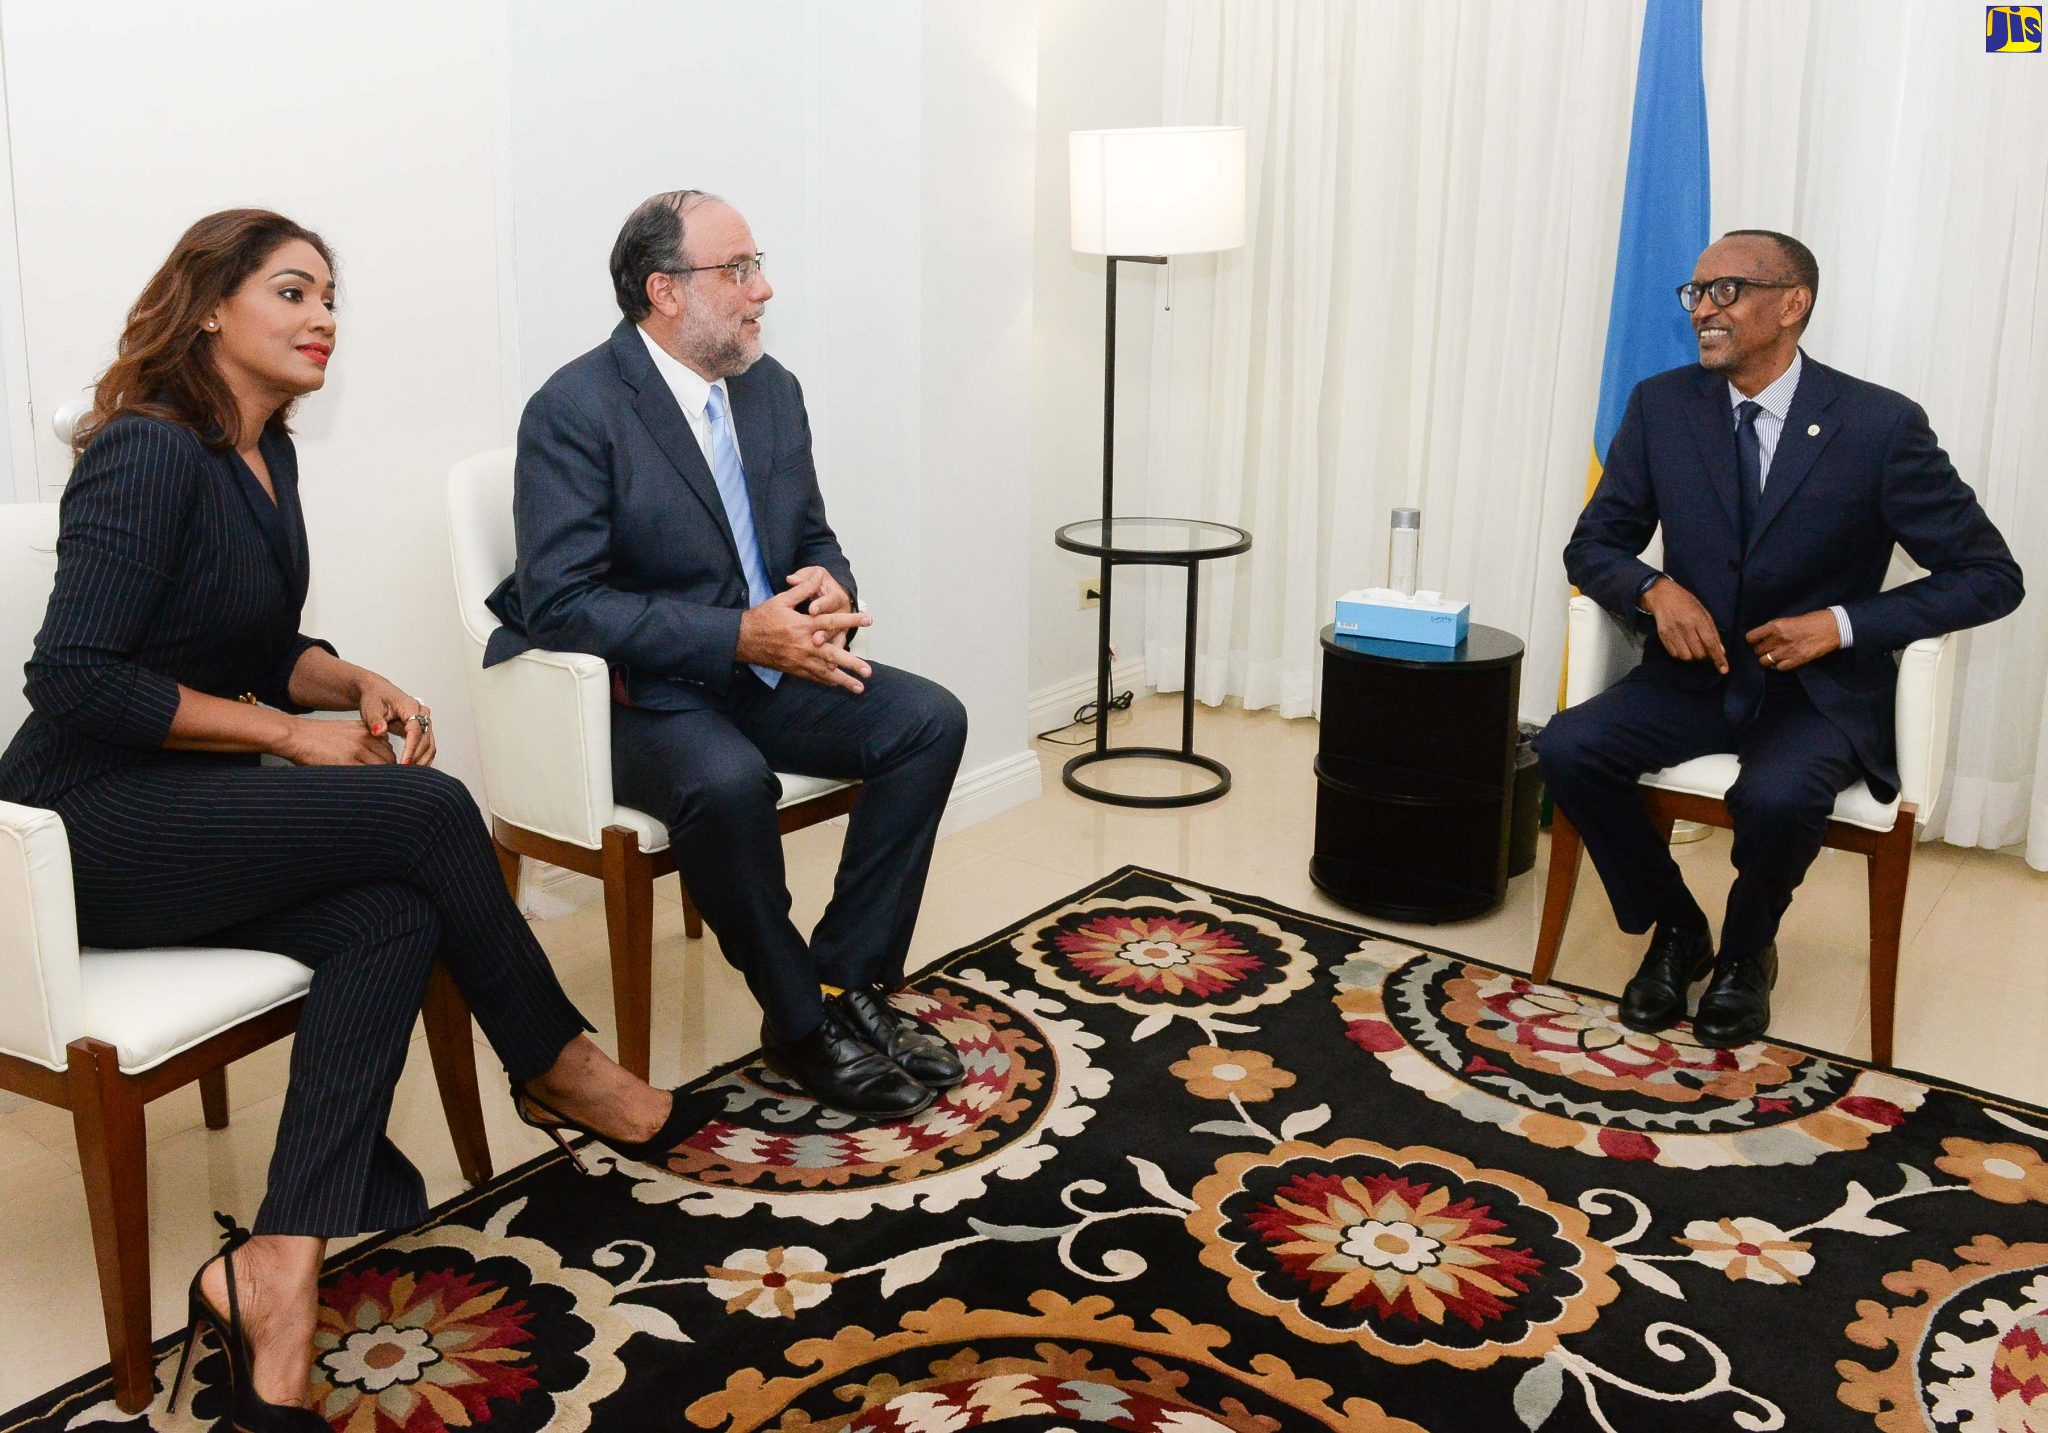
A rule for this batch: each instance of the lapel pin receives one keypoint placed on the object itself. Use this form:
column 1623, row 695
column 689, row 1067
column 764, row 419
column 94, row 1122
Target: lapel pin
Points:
column 1813, row 431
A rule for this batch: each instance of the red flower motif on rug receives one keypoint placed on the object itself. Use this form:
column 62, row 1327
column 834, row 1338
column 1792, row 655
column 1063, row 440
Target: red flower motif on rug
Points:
column 1970, row 1340
column 1554, row 1032
column 1558, row 1069
column 1162, row 955
column 1159, row 959
column 1398, row 1246
column 403, row 1353
column 1413, row 1254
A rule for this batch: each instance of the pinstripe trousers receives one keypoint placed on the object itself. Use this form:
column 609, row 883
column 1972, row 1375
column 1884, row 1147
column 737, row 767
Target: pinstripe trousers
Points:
column 368, row 874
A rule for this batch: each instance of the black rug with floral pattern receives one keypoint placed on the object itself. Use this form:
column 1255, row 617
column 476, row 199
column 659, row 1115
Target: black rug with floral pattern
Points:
column 1220, row 1165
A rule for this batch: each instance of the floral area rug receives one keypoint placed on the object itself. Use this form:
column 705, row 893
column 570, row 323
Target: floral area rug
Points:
column 1219, row 1165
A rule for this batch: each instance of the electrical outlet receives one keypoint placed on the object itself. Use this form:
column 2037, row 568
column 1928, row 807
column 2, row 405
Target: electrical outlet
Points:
column 1091, row 595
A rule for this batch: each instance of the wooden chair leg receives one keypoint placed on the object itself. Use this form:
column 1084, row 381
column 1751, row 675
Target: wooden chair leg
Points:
column 508, row 867
column 113, row 1156
column 213, row 1097
column 629, row 920
column 693, row 919
column 453, row 1052
column 1890, row 863
column 1557, row 893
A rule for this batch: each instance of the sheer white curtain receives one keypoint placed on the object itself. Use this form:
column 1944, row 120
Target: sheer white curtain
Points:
column 1417, row 316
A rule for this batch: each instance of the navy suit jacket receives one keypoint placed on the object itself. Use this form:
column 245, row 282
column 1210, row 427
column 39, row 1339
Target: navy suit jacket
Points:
column 1856, row 470
column 174, row 567
column 624, row 547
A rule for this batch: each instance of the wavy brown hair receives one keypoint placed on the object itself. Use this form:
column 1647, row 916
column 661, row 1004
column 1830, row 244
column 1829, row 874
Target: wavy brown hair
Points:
column 164, row 366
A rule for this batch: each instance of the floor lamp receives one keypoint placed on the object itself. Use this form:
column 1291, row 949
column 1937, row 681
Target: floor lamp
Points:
column 1138, row 196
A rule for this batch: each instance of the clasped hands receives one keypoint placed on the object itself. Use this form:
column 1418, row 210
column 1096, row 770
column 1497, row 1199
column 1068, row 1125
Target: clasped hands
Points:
column 385, row 712
column 804, row 631
column 1688, row 632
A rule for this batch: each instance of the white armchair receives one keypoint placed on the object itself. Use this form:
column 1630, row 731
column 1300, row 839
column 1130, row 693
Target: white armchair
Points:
column 1602, row 651
column 543, row 723
column 102, row 1033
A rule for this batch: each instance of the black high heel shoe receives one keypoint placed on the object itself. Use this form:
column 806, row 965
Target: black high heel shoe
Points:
column 680, row 1124
column 246, row 1409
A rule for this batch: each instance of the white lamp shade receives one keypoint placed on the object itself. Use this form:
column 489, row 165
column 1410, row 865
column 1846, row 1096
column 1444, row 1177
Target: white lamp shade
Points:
column 1152, row 192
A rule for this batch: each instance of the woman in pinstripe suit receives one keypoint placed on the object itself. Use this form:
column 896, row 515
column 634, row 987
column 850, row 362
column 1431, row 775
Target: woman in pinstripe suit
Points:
column 170, row 658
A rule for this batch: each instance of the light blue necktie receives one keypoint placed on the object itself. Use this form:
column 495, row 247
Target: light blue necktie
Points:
column 731, row 478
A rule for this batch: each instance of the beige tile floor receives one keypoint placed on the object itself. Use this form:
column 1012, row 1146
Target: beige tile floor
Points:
column 1973, row 996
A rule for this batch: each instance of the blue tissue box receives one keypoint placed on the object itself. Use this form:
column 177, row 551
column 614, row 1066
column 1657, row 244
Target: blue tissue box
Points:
column 1383, row 613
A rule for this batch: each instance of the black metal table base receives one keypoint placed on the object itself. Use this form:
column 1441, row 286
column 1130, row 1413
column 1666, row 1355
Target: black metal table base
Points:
column 1070, row 775
column 1190, row 562
column 1185, row 543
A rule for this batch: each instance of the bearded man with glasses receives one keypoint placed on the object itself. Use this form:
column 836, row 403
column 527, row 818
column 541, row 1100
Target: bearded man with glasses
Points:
column 669, row 521
column 1781, row 487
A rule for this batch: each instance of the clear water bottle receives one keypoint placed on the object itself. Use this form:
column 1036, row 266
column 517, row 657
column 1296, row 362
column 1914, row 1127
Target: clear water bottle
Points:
column 1404, row 545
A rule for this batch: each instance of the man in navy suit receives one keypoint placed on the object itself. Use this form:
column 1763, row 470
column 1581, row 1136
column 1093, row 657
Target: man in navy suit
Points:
column 1782, row 486
column 669, row 520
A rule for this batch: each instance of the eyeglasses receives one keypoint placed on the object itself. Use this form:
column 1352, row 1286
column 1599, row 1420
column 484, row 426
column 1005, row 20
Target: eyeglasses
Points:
column 742, row 270
column 1725, row 291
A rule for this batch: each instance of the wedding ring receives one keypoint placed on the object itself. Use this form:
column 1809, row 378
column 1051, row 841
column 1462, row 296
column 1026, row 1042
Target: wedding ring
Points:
column 1770, row 660
column 422, row 718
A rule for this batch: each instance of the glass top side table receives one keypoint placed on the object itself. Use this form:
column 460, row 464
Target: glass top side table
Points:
column 1149, row 542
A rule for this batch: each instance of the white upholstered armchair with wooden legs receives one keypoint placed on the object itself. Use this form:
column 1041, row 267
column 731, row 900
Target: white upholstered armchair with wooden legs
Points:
column 102, row 1033
column 1602, row 651
column 543, row 723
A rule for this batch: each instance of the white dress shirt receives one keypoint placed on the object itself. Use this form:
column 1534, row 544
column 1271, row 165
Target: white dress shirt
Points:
column 1776, row 401
column 692, row 393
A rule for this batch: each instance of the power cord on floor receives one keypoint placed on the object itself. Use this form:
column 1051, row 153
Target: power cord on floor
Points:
column 1084, row 715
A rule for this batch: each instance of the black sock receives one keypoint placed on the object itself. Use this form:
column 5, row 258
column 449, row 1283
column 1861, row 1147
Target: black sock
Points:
column 1682, row 912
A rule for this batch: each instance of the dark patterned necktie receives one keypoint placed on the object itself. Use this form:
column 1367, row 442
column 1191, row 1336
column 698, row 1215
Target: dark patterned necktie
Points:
column 1743, row 693
column 1749, row 465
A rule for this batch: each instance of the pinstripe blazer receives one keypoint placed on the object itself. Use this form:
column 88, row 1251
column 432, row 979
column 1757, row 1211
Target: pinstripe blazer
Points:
column 174, row 567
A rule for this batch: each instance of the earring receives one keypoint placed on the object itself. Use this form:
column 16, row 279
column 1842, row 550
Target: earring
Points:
column 211, row 325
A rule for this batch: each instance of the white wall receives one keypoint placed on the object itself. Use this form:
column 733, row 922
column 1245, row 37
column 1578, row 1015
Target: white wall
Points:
column 975, row 340
column 18, row 476
column 1099, row 67
column 128, row 120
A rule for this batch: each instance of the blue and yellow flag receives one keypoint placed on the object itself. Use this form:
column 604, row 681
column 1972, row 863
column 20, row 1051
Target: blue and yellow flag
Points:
column 1664, row 216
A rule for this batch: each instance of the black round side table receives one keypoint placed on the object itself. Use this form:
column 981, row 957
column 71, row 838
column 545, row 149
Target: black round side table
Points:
column 1149, row 542
column 1415, row 774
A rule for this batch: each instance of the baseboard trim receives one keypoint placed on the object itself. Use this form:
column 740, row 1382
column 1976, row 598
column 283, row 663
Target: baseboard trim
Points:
column 1053, row 707
column 991, row 790
column 547, row 891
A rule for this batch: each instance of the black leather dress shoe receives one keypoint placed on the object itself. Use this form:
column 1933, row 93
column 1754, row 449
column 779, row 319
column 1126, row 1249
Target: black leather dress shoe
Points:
column 1655, row 996
column 840, row 1070
column 1736, row 1007
column 930, row 1060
